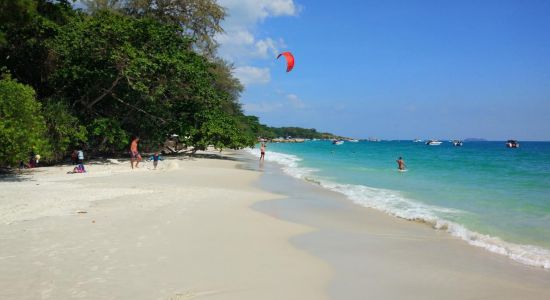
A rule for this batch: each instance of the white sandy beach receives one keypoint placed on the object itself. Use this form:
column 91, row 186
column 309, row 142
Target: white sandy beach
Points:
column 182, row 232
column 202, row 229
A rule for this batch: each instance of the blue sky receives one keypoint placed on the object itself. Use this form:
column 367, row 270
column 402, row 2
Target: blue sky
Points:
column 395, row 69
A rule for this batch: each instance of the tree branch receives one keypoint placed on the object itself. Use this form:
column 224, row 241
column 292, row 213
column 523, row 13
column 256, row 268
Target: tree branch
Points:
column 105, row 93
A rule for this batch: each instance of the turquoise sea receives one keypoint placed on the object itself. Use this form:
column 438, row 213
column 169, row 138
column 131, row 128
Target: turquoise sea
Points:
column 489, row 195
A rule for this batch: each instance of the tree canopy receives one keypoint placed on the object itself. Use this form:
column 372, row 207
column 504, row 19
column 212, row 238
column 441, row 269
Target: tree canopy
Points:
column 200, row 20
column 121, row 68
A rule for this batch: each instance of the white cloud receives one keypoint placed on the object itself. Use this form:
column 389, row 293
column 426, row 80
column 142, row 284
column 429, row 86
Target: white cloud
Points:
column 295, row 101
column 238, row 43
column 262, row 107
column 269, row 47
column 238, row 37
column 292, row 102
column 252, row 75
column 248, row 12
column 240, row 46
column 281, row 7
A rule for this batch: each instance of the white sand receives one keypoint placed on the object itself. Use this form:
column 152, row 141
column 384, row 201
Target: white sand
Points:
column 184, row 231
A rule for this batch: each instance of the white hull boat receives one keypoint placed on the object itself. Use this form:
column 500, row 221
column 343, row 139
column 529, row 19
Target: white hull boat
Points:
column 433, row 143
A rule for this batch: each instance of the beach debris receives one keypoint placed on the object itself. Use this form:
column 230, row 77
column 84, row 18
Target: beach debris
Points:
column 289, row 60
column 93, row 221
column 81, row 212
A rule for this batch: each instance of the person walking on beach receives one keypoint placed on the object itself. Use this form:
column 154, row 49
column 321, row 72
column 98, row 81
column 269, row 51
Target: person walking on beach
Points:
column 401, row 164
column 262, row 152
column 134, row 153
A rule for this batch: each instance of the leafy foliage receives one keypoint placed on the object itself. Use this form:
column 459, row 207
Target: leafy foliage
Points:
column 25, row 28
column 199, row 20
column 22, row 126
column 130, row 67
column 143, row 74
column 64, row 129
column 107, row 135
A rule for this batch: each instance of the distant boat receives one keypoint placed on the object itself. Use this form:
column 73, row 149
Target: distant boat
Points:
column 433, row 143
column 457, row 143
column 353, row 141
column 512, row 144
column 417, row 141
column 335, row 142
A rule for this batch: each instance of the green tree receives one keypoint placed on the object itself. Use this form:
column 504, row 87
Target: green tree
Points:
column 143, row 74
column 25, row 28
column 64, row 129
column 129, row 67
column 107, row 135
column 22, row 126
column 199, row 20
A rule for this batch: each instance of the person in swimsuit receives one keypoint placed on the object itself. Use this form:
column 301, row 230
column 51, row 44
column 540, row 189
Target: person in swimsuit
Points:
column 134, row 153
column 401, row 164
column 262, row 151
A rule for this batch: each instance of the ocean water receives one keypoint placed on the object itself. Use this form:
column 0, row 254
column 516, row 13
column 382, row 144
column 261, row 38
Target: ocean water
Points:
column 490, row 196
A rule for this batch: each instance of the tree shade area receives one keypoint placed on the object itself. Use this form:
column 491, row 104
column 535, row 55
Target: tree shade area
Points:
column 94, row 78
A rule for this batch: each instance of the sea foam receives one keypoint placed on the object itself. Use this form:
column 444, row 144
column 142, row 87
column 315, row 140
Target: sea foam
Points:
column 395, row 204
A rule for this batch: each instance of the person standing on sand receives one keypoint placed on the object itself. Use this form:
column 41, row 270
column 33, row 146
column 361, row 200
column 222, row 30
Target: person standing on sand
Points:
column 80, row 157
column 262, row 152
column 74, row 157
column 134, row 153
column 401, row 164
column 80, row 160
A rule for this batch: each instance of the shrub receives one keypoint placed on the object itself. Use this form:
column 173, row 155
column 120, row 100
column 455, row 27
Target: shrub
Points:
column 22, row 126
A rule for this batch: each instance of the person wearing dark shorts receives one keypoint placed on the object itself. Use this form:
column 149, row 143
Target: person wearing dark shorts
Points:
column 134, row 153
column 262, row 151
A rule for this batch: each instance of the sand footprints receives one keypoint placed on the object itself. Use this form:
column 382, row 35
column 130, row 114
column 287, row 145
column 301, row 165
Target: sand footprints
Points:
column 193, row 295
column 183, row 296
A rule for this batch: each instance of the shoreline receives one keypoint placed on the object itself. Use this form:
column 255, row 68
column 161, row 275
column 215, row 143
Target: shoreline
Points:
column 231, row 229
column 386, row 257
column 186, row 232
column 392, row 204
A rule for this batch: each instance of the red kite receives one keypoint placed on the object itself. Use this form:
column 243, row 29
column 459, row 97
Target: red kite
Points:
column 289, row 60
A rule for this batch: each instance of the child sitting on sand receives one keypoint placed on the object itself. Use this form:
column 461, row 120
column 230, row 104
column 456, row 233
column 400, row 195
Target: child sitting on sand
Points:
column 78, row 169
column 155, row 158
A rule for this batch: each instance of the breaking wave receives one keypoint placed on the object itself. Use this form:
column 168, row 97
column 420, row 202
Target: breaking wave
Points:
column 395, row 204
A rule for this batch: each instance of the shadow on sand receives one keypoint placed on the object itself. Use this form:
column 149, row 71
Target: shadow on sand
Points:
column 15, row 175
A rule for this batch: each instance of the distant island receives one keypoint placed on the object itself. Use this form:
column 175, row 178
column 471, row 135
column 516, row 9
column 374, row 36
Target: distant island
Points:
column 269, row 133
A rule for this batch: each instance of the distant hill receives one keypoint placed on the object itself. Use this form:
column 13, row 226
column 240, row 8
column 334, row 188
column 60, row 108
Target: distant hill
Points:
column 294, row 132
column 475, row 140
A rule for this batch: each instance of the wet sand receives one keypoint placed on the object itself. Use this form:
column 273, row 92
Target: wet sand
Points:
column 377, row 256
